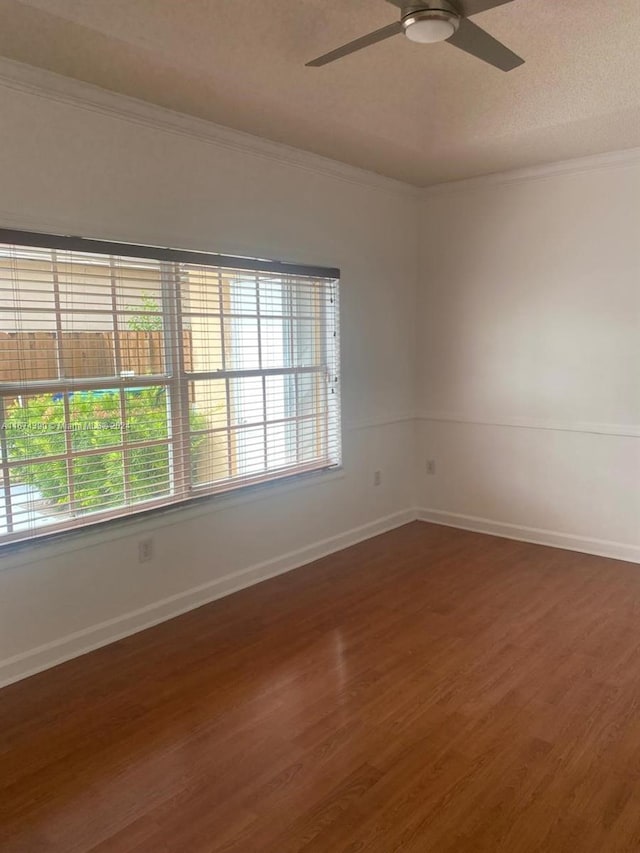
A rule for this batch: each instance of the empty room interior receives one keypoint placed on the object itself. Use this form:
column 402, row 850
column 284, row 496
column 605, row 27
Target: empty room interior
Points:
column 319, row 426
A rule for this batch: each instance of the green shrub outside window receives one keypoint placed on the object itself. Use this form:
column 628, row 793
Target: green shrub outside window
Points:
column 37, row 428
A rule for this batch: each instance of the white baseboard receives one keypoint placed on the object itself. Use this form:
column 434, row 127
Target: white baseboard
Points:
column 568, row 541
column 79, row 643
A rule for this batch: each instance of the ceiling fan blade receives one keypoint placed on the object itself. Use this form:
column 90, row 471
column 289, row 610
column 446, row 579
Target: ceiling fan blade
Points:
column 473, row 7
column 379, row 35
column 466, row 7
column 474, row 40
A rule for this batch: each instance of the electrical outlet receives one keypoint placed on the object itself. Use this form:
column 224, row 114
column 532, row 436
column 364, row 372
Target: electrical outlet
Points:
column 145, row 550
column 431, row 466
column 377, row 478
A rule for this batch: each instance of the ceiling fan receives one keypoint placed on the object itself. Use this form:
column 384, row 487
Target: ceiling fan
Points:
column 428, row 21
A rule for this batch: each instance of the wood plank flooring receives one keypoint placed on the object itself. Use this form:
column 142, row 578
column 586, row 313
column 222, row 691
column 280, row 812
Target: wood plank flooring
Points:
column 427, row 690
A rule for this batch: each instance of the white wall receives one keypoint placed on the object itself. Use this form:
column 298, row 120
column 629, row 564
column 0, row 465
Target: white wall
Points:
column 529, row 356
column 68, row 166
column 522, row 359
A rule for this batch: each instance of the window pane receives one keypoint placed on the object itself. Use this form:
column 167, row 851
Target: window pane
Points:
column 142, row 352
column 202, row 344
column 247, row 401
column 312, row 442
column 212, row 456
column 208, row 404
column 281, row 396
column 28, row 355
column 250, row 451
column 146, row 414
column 110, row 283
column 39, row 492
column 281, row 445
column 201, row 290
column 210, row 452
column 26, row 283
column 27, row 508
column 149, row 472
column 274, row 297
column 276, row 342
column 138, row 297
column 306, row 346
column 137, row 285
column 98, row 481
column 35, row 426
column 312, row 393
column 243, row 294
column 84, row 351
column 95, row 419
column 83, row 281
column 101, row 481
column 243, row 349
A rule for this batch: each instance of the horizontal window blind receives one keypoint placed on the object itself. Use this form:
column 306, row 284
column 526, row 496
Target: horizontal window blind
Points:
column 130, row 382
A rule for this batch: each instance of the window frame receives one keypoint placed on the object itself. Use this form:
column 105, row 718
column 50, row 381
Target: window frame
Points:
column 175, row 380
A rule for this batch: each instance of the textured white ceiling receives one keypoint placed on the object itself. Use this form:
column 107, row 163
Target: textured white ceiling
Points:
column 421, row 113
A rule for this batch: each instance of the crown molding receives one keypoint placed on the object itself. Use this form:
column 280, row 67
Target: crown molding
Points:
column 55, row 87
column 562, row 168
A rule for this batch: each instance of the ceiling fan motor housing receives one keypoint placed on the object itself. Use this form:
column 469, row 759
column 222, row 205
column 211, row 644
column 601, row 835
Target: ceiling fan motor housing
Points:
column 431, row 21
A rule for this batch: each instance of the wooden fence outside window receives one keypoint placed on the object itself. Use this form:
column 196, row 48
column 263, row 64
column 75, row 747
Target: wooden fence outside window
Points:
column 32, row 356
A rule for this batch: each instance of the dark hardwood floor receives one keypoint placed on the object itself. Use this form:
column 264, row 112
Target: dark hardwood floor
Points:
column 427, row 690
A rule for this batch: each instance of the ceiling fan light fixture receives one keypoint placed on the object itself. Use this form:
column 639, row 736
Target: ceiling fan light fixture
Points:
column 430, row 26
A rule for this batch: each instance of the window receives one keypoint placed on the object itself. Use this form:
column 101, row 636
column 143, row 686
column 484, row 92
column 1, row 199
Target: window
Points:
column 132, row 378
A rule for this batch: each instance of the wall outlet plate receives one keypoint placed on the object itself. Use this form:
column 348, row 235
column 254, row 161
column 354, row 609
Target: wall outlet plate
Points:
column 145, row 550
